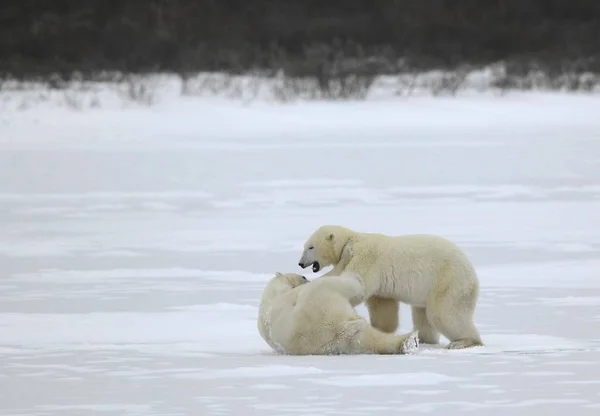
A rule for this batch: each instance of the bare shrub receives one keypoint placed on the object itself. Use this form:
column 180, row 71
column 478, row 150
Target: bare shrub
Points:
column 95, row 102
column 449, row 82
column 139, row 89
column 589, row 82
column 73, row 100
column 406, row 84
column 529, row 76
column 286, row 89
column 570, row 81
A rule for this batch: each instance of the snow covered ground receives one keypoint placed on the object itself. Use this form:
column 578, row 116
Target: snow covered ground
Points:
column 135, row 243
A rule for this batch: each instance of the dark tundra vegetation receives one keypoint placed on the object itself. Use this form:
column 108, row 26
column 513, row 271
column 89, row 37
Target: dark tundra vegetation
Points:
column 316, row 38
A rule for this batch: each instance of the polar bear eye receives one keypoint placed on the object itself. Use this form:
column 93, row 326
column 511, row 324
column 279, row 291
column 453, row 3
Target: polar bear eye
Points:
column 311, row 247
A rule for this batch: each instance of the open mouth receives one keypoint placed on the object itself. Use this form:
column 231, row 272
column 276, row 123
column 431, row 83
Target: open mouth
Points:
column 316, row 267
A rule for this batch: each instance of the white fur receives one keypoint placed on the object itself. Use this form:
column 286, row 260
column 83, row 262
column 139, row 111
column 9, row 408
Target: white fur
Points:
column 427, row 272
column 318, row 318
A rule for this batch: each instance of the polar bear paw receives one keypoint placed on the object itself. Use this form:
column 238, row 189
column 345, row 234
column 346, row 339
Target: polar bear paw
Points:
column 464, row 343
column 411, row 344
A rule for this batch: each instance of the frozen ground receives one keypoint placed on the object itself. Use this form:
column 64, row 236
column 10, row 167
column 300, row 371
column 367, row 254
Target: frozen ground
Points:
column 135, row 244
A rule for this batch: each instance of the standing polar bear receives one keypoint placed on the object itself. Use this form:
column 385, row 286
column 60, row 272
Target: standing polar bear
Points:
column 427, row 272
column 298, row 317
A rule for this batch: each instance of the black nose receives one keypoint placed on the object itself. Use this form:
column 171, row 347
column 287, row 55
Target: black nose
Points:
column 301, row 265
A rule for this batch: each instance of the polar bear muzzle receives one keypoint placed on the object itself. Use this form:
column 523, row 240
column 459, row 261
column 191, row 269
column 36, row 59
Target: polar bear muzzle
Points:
column 315, row 266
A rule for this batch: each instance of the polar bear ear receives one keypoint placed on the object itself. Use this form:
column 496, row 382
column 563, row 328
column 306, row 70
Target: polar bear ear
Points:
column 329, row 237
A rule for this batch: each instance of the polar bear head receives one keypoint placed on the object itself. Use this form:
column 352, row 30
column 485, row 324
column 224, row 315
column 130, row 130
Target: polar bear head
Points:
column 324, row 247
column 282, row 283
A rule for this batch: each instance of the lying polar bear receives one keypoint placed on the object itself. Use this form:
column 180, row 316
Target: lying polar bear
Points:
column 299, row 317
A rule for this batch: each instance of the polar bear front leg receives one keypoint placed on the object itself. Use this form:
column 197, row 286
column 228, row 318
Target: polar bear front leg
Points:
column 349, row 286
column 427, row 333
column 342, row 264
column 383, row 313
column 336, row 271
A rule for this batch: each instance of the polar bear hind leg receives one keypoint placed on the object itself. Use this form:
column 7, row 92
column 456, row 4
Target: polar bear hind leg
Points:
column 427, row 333
column 452, row 315
column 383, row 313
column 368, row 340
